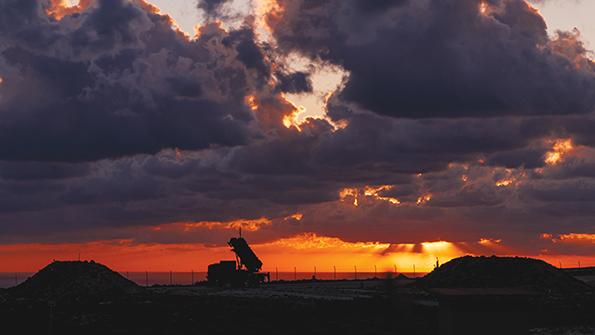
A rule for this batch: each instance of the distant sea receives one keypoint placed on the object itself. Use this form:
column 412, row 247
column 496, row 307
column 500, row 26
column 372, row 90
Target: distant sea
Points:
column 186, row 278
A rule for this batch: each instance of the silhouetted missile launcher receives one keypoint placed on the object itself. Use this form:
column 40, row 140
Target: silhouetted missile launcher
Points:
column 244, row 271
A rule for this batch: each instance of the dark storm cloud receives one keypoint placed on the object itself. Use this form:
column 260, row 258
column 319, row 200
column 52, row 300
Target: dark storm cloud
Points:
column 294, row 172
column 440, row 58
column 529, row 158
column 248, row 52
column 41, row 170
column 575, row 190
column 377, row 6
column 420, row 146
column 297, row 82
column 212, row 7
column 116, row 80
column 573, row 167
column 113, row 123
column 470, row 197
column 580, row 128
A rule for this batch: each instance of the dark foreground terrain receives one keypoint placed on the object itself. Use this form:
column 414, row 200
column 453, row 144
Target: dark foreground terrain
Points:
column 556, row 304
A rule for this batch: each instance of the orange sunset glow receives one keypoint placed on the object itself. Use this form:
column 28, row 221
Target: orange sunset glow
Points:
column 303, row 252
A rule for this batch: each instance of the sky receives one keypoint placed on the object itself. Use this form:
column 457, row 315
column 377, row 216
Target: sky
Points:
column 569, row 14
column 343, row 133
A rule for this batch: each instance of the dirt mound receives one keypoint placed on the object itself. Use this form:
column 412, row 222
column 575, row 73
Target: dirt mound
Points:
column 503, row 272
column 75, row 281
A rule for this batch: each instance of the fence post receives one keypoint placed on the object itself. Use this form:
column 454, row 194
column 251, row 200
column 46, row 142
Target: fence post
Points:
column 334, row 272
column 277, row 273
column 192, row 281
column 147, row 278
column 355, row 271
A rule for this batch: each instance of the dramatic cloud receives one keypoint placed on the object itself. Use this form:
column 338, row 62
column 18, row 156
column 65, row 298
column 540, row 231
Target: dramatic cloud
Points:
column 116, row 80
column 423, row 59
column 297, row 82
column 460, row 126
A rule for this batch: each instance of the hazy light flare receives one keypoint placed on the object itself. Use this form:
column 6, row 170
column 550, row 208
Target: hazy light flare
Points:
column 252, row 103
column 424, row 199
column 296, row 217
column 505, row 182
column 484, row 8
column 489, row 242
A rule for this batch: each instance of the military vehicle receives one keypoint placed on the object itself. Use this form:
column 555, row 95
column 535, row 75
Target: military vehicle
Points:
column 244, row 271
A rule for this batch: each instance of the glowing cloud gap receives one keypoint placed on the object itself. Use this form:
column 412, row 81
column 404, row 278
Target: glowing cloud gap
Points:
column 58, row 9
column 266, row 11
column 424, row 199
column 504, row 182
column 252, row 103
column 560, row 148
column 374, row 192
column 296, row 217
column 151, row 8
